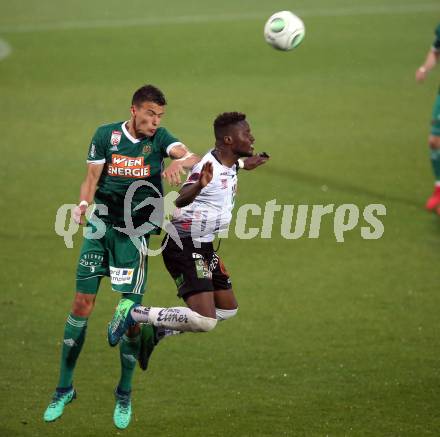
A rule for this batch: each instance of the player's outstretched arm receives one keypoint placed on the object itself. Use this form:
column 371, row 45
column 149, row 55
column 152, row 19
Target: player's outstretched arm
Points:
column 189, row 192
column 430, row 62
column 87, row 191
column 183, row 159
column 255, row 161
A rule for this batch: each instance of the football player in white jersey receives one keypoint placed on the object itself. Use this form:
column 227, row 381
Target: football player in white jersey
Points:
column 204, row 208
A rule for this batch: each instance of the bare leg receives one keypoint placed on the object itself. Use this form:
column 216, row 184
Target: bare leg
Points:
column 225, row 300
column 202, row 303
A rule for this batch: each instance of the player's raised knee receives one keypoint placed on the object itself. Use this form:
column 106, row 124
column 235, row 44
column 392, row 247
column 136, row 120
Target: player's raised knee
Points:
column 83, row 304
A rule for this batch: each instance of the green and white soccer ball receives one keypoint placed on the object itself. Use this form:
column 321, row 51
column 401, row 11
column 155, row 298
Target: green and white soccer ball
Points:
column 284, row 30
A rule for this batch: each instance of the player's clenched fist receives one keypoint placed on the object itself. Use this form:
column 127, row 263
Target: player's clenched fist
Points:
column 79, row 212
column 421, row 74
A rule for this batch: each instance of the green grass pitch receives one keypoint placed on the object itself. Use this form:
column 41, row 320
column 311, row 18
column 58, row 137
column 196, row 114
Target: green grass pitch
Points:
column 337, row 339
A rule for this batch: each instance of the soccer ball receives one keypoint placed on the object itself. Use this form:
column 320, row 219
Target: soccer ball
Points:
column 284, row 30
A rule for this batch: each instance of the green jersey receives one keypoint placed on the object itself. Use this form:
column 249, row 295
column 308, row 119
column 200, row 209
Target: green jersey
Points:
column 127, row 160
column 436, row 43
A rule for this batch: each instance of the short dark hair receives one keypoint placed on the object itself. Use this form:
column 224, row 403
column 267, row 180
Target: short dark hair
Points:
column 148, row 93
column 225, row 120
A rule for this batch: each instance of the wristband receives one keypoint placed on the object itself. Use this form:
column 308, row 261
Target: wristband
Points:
column 422, row 69
column 188, row 154
column 240, row 163
column 83, row 203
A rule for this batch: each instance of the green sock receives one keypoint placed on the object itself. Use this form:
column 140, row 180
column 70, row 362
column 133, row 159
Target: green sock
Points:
column 129, row 351
column 74, row 336
column 435, row 159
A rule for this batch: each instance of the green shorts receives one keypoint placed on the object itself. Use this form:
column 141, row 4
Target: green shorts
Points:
column 435, row 127
column 114, row 255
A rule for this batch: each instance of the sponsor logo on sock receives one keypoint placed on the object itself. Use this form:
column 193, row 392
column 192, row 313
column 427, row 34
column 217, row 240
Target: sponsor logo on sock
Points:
column 141, row 311
column 70, row 342
column 130, row 358
column 172, row 315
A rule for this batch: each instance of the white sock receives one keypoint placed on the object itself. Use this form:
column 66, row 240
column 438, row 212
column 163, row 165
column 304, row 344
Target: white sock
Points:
column 175, row 318
column 222, row 314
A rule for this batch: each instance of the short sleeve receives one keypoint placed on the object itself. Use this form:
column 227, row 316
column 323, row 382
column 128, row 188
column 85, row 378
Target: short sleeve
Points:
column 194, row 174
column 436, row 43
column 167, row 141
column 96, row 153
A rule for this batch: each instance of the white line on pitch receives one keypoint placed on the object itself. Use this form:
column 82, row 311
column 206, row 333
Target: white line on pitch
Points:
column 186, row 19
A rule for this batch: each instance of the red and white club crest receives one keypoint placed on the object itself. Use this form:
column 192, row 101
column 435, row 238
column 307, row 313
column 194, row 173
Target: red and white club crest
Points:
column 116, row 137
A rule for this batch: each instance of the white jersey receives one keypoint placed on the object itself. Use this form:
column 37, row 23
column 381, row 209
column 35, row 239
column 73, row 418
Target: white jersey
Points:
column 211, row 210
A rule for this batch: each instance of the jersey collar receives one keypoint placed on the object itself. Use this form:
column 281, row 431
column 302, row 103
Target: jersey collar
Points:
column 218, row 160
column 127, row 134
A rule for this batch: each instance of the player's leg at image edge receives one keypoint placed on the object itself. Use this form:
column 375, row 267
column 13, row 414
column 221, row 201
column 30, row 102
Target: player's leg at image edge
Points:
column 433, row 202
column 129, row 352
column 74, row 336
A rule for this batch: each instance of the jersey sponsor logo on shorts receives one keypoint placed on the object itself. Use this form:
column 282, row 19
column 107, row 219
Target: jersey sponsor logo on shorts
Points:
column 202, row 268
column 91, row 261
column 179, row 281
column 129, row 167
column 214, row 262
column 116, row 137
column 121, row 276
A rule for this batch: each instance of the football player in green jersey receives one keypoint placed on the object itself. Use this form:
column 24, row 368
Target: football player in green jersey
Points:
column 119, row 155
column 433, row 203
